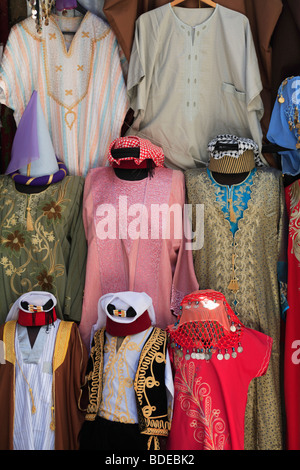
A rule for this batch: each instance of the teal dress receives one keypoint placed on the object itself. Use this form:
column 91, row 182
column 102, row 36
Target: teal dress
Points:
column 233, row 199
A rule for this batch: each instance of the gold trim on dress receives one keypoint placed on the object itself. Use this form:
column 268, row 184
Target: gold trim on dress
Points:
column 9, row 341
column 150, row 353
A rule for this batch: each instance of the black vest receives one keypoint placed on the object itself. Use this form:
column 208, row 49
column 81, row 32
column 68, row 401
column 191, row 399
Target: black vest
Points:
column 149, row 383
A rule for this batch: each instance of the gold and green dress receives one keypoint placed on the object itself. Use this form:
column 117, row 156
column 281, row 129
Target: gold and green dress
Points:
column 241, row 262
column 43, row 245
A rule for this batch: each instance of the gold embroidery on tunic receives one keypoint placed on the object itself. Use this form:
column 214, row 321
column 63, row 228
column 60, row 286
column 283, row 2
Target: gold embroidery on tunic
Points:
column 16, row 239
column 294, row 225
column 61, row 343
column 9, row 341
column 257, row 246
column 95, row 376
column 150, row 354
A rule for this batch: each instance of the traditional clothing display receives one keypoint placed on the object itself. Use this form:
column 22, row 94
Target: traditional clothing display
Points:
column 292, row 325
column 284, row 129
column 81, row 86
column 42, row 239
column 136, row 234
column 40, row 383
column 149, row 219
column 214, row 358
column 243, row 232
column 130, row 381
column 172, row 73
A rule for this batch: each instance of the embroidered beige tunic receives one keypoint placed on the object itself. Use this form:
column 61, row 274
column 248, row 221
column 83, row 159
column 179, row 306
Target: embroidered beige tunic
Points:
column 256, row 246
column 193, row 74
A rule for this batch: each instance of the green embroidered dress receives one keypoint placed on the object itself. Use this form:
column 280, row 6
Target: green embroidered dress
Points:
column 42, row 245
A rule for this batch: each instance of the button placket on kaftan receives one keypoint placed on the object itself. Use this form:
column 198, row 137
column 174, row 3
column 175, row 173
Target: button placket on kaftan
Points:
column 193, row 35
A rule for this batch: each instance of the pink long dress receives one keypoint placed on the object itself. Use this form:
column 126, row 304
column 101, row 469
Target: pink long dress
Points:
column 135, row 257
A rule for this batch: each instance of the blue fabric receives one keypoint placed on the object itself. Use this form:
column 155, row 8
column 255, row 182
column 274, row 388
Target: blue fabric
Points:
column 282, row 274
column 240, row 194
column 282, row 133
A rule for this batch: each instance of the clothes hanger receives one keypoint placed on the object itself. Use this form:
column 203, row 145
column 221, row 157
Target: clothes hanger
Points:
column 81, row 10
column 208, row 2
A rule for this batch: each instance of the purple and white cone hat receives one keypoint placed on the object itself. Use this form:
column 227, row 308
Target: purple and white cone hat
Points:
column 32, row 151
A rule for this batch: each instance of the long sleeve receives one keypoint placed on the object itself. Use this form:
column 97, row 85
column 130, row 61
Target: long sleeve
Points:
column 184, row 278
column 77, row 262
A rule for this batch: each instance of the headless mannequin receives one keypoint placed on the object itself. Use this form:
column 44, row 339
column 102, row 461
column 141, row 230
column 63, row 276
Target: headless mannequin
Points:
column 128, row 174
column 229, row 178
column 33, row 331
column 27, row 189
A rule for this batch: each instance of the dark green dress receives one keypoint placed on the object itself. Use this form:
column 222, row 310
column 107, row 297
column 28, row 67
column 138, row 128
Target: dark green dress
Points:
column 43, row 245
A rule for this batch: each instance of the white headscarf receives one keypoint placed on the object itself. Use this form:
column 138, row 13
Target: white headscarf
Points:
column 38, row 298
column 140, row 301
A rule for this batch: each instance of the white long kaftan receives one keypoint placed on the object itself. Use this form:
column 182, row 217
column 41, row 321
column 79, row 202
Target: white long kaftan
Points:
column 81, row 88
column 32, row 431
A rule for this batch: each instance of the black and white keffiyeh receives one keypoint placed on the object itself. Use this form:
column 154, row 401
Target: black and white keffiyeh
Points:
column 233, row 146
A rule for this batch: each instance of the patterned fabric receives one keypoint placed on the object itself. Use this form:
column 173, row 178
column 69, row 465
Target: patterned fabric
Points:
column 32, row 431
column 217, row 147
column 256, row 246
column 210, row 395
column 237, row 194
column 81, row 87
column 147, row 150
column 42, row 244
column 284, row 128
column 41, row 180
column 292, row 328
column 67, row 369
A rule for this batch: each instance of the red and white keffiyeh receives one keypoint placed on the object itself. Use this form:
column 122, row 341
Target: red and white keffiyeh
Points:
column 148, row 151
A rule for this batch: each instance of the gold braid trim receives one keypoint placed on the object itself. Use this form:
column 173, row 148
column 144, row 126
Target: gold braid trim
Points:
column 61, row 343
column 150, row 353
column 9, row 341
column 95, row 376
column 60, row 351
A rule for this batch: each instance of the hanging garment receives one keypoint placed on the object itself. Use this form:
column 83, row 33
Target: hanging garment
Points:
column 42, row 245
column 58, row 376
column 243, row 266
column 214, row 358
column 194, row 72
column 81, row 87
column 128, row 248
column 292, row 327
column 284, row 129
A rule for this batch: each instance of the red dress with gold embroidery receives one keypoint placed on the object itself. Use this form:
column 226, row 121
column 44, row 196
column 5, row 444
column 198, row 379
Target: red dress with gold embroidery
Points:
column 292, row 329
column 211, row 384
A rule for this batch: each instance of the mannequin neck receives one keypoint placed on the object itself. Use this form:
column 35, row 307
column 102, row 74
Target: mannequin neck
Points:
column 27, row 189
column 32, row 334
column 229, row 178
column 131, row 172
